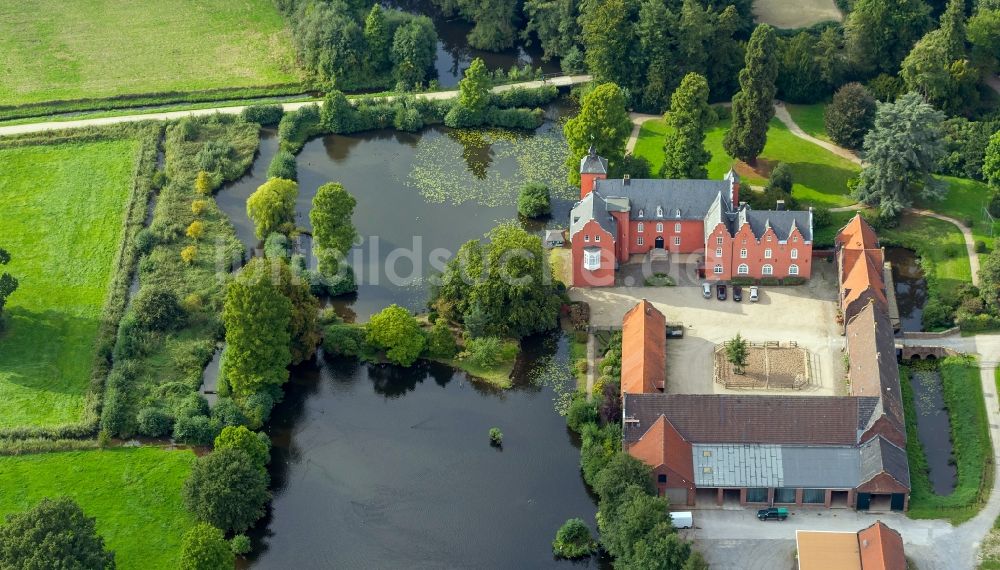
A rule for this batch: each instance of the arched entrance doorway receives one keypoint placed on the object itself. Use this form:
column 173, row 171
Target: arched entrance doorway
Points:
column 658, row 244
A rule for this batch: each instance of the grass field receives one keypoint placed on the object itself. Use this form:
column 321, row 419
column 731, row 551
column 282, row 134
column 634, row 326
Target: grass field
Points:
column 937, row 241
column 820, row 177
column 963, row 396
column 51, row 50
column 809, row 118
column 964, row 202
column 801, row 14
column 134, row 493
column 63, row 221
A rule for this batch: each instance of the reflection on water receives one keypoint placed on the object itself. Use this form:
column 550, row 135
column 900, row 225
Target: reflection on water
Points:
column 911, row 287
column 933, row 429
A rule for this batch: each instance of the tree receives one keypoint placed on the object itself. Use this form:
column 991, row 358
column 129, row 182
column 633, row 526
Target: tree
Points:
column 204, row 547
column 495, row 23
column 255, row 444
column 829, row 56
column 414, row 46
column 272, row 206
column 620, row 473
column 684, row 149
column 901, row 152
column 396, row 331
column 377, row 39
column 195, row 230
column 227, row 489
column 737, row 352
column 55, row 533
column 8, row 283
column 753, row 106
column 695, row 562
column 850, row 115
column 609, row 39
column 983, row 31
column 655, row 31
column 991, row 170
column 533, row 201
column 989, row 277
column 474, row 88
column 555, row 25
column 726, row 54
column 303, row 326
column 573, row 540
column 441, row 341
column 157, row 309
column 878, row 34
column 660, row 549
column 602, row 123
column 257, row 317
column 638, row 515
column 695, row 36
column 800, row 80
column 945, row 78
column 283, row 165
column 333, row 230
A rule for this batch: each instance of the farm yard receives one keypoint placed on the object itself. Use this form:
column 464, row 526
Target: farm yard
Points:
column 61, row 51
column 63, row 225
column 768, row 367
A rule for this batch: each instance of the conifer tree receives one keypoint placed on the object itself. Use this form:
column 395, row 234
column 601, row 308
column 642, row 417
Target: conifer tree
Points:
column 753, row 106
column 684, row 151
column 378, row 40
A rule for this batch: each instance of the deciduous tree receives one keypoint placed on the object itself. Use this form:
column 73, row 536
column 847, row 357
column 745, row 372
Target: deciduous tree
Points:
column 991, row 168
column 684, row 150
column 255, row 444
column 554, row 23
column 753, row 106
column 204, row 547
column 377, row 40
column 414, row 46
column 8, row 283
column 533, row 200
column 396, row 331
column 55, row 533
column 474, row 88
column 879, row 33
column 602, row 122
column 272, row 206
column 737, row 352
column 333, row 230
column 227, row 489
column 609, row 36
column 850, row 115
column 656, row 30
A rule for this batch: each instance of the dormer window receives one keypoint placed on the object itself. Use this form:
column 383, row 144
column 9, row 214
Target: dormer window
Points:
column 659, row 211
column 677, row 213
column 640, row 212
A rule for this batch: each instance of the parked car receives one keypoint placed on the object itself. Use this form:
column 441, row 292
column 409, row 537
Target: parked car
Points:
column 720, row 292
column 754, row 297
column 706, row 290
column 776, row 513
column 737, row 293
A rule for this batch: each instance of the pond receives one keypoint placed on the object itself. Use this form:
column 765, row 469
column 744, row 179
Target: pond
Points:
column 381, row 466
column 911, row 287
column 933, row 428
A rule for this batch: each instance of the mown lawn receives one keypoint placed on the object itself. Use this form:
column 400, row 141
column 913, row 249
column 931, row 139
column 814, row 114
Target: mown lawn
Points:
column 963, row 397
column 820, row 177
column 134, row 493
column 940, row 244
column 53, row 50
column 809, row 118
column 63, row 212
column 964, row 202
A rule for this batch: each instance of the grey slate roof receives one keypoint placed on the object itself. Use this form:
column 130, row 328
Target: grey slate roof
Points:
column 873, row 371
column 592, row 207
column 878, row 455
column 679, row 199
column 737, row 465
column 781, row 222
column 820, row 467
column 593, row 164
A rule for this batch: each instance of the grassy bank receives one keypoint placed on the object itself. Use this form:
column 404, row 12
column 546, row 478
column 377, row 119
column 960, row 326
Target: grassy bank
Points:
column 820, row 177
column 940, row 246
column 99, row 49
column 64, row 205
column 135, row 494
column 963, row 397
column 809, row 118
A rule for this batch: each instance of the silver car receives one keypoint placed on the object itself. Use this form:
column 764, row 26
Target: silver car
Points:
column 706, row 290
column 754, row 296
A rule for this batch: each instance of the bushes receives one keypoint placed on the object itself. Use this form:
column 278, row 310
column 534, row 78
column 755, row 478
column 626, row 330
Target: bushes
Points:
column 276, row 246
column 851, row 114
column 205, row 548
column 296, row 127
column 345, row 340
column 441, row 341
column 533, row 201
column 196, row 430
column 283, row 165
column 154, row 422
column 483, row 352
column 256, row 445
column 227, row 489
column 573, row 540
column 397, row 332
column 980, row 246
column 522, row 97
column 937, row 315
column 262, row 114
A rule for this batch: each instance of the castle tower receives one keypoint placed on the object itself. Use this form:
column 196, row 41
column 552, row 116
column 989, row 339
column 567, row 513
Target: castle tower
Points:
column 592, row 169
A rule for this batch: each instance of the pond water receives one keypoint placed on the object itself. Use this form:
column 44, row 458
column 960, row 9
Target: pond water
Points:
column 454, row 53
column 933, row 429
column 379, row 466
column 911, row 287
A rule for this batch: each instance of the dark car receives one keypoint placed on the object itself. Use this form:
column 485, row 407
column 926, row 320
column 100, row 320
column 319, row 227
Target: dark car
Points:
column 737, row 293
column 720, row 292
column 779, row 513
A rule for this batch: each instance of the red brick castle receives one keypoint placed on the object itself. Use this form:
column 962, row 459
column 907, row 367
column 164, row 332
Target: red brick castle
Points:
column 616, row 219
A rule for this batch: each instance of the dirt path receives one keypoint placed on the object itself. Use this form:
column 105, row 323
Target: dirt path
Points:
column 637, row 121
column 782, row 114
column 563, row 80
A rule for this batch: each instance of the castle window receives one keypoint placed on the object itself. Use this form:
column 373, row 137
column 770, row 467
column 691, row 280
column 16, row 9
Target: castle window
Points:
column 717, row 269
column 640, row 241
column 793, row 269
column 591, row 259
column 767, row 253
column 640, row 228
column 659, row 228
column 743, row 269
column 795, row 240
column 718, row 240
column 743, row 253
column 677, row 228
column 767, row 270
column 795, row 253
column 718, row 252
column 597, row 237
column 586, row 237
column 659, row 211
column 677, row 241
column 640, row 212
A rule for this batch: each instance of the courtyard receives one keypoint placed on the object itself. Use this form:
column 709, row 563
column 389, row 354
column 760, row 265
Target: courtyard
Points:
column 804, row 315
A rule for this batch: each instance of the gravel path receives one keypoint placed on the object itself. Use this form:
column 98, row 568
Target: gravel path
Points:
column 782, row 114
column 637, row 120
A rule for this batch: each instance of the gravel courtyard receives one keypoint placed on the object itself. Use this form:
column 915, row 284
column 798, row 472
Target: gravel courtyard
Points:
column 805, row 314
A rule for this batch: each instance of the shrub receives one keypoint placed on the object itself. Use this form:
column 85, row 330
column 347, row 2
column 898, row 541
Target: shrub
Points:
column 822, row 217
column 580, row 411
column 257, row 408
column 195, row 430
column 214, row 154
column 344, row 340
column 441, row 341
column 885, row 87
column 154, row 422
column 484, row 352
column 522, row 97
column 794, row 280
column 130, row 341
column 189, row 253
column 533, row 201
column 276, row 246
column 850, row 115
column 256, row 445
column 527, row 119
column 228, row 413
column 227, row 489
column 408, row 120
column 297, row 126
column 936, row 315
column 283, row 165
column 397, row 332
column 144, row 241
column 157, row 309
column 198, row 207
column 262, row 114
column 781, row 178
column 205, row 548
column 272, row 206
column 113, row 413
column 980, row 246
column 573, row 540
column 496, row 436
column 240, row 544
column 195, row 230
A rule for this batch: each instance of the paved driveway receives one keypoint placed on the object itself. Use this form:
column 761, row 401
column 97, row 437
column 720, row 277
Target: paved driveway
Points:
column 805, row 314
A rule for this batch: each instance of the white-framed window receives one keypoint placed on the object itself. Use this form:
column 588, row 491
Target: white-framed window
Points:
column 768, row 238
column 718, row 240
column 640, row 241
column 743, row 269
column 718, row 252
column 793, row 269
column 641, row 227
column 640, row 212
column 659, row 227
column 659, row 211
column 767, row 253
column 586, row 237
column 677, row 228
column 677, row 241
column 591, row 259
column 795, row 253
column 597, row 237
column 767, row 269
column 743, row 253
column 717, row 269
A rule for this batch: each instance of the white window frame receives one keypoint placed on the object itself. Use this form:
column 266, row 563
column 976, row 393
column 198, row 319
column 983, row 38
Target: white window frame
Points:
column 793, row 269
column 768, row 269
column 677, row 240
column 717, row 269
column 767, row 253
column 640, row 241
column 659, row 211
column 597, row 237
column 743, row 253
column 592, row 259
column 718, row 240
column 718, row 252
column 640, row 228
column 743, row 269
column 795, row 253
column 586, row 237
column 677, row 228
column 659, row 227
column 640, row 212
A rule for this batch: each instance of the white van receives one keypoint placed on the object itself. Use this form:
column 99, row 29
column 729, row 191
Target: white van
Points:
column 683, row 519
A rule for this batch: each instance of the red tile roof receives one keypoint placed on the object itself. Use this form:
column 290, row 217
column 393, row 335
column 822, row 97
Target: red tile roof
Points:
column 644, row 350
column 663, row 445
column 857, row 234
column 881, row 548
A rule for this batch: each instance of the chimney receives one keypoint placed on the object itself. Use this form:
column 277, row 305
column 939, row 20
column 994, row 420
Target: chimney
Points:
column 780, row 206
column 626, row 180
